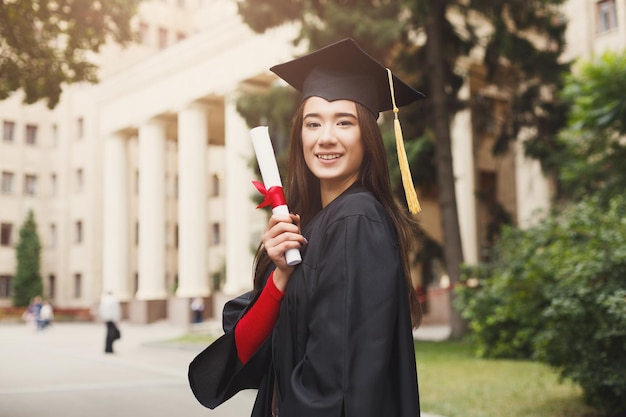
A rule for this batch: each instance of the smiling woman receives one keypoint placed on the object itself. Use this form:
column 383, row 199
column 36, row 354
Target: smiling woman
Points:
column 331, row 142
column 332, row 335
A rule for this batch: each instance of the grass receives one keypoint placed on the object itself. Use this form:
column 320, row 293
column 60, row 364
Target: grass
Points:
column 455, row 383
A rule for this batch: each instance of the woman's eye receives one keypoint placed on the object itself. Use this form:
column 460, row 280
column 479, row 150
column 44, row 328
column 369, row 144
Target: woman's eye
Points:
column 345, row 123
column 311, row 124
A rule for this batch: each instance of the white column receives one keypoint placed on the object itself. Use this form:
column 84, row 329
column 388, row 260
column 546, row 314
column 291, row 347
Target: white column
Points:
column 151, row 251
column 463, row 167
column 193, row 132
column 532, row 187
column 115, row 219
column 240, row 228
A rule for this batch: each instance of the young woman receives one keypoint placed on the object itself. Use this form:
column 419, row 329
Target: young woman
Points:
column 333, row 335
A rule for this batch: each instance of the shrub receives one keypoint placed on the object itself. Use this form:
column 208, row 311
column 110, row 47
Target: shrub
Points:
column 557, row 293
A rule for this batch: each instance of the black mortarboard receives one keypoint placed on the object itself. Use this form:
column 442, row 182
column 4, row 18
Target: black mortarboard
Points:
column 343, row 70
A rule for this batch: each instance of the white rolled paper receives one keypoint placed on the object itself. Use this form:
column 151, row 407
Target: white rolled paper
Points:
column 271, row 177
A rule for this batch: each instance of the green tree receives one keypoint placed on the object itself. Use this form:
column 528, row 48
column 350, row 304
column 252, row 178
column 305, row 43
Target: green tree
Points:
column 425, row 42
column 594, row 148
column 557, row 293
column 27, row 282
column 44, row 44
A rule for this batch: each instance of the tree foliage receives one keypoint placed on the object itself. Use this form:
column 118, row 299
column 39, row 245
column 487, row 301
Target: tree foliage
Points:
column 44, row 44
column 557, row 293
column 593, row 143
column 425, row 42
column 27, row 281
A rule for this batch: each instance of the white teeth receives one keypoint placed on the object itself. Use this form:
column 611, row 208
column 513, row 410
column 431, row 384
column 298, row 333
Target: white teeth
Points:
column 328, row 157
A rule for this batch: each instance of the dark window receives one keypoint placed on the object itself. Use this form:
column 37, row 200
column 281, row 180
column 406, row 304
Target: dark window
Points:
column 52, row 283
column 5, row 234
column 5, row 286
column 215, row 185
column 7, row 182
column 79, row 231
column 78, row 285
column 30, row 184
column 216, row 234
column 80, row 128
column 31, row 134
column 8, row 131
column 606, row 15
column 162, row 38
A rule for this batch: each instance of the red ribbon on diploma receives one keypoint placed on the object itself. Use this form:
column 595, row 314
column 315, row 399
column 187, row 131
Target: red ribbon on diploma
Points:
column 274, row 197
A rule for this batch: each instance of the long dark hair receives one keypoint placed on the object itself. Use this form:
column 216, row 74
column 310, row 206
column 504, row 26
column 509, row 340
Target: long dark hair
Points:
column 303, row 195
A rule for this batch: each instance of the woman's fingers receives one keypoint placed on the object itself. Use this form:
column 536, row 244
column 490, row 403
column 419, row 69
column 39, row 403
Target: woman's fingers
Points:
column 282, row 234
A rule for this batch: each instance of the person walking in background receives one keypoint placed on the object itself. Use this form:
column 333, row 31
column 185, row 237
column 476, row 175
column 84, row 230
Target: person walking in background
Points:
column 197, row 307
column 110, row 313
column 46, row 315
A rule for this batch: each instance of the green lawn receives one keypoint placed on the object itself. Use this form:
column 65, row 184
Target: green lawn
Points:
column 454, row 383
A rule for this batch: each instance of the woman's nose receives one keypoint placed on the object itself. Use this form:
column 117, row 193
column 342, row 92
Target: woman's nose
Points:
column 327, row 135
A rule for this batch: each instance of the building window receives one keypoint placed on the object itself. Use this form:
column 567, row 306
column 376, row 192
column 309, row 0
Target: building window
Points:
column 215, row 185
column 5, row 286
column 78, row 231
column 216, row 235
column 78, row 285
column 162, row 38
column 607, row 15
column 52, row 286
column 79, row 180
column 136, row 233
column 5, row 234
column 80, row 128
column 55, row 135
column 180, row 36
column 52, row 235
column 53, row 184
column 31, row 134
column 176, row 236
column 30, row 184
column 144, row 33
column 8, row 132
column 7, row 182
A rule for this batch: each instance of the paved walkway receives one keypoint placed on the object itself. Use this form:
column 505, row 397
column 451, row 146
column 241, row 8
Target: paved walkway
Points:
column 62, row 371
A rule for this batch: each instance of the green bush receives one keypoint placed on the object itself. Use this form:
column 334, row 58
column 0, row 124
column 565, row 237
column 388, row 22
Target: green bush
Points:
column 557, row 293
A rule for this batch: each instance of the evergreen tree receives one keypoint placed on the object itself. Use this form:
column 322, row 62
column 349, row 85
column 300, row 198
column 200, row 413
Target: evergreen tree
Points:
column 425, row 43
column 27, row 282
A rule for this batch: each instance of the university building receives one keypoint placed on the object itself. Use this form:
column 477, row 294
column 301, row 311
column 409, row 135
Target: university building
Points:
column 140, row 185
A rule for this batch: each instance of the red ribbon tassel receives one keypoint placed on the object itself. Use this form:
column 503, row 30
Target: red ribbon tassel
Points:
column 274, row 196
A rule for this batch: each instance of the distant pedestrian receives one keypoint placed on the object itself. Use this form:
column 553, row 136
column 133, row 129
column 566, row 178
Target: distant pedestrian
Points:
column 30, row 315
column 110, row 312
column 197, row 307
column 46, row 315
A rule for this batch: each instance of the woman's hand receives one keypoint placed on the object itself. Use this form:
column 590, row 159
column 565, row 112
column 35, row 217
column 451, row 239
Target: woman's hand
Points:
column 282, row 234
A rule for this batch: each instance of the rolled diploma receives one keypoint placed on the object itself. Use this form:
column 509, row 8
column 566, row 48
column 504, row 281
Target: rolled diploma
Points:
column 271, row 177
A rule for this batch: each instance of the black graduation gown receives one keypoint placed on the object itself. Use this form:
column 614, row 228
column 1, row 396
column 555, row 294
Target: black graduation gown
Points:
column 342, row 345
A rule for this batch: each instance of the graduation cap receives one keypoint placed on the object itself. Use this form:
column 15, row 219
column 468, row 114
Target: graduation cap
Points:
column 343, row 71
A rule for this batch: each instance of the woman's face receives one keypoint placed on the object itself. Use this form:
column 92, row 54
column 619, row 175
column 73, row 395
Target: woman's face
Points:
column 331, row 142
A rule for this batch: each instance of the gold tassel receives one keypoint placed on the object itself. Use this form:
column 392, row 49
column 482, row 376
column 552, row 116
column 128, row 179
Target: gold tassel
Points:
column 405, row 171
